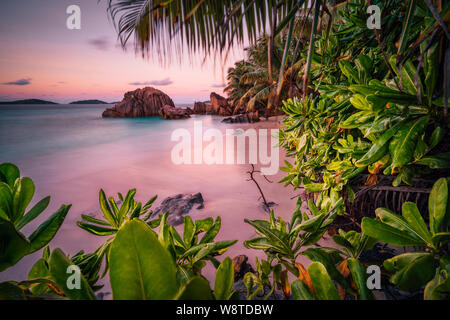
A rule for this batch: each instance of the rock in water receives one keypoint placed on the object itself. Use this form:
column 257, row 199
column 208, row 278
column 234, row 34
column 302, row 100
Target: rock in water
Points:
column 200, row 108
column 250, row 117
column 220, row 105
column 178, row 206
column 146, row 102
column 170, row 113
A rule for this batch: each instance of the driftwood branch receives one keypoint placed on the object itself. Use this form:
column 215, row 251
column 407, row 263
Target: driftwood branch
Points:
column 252, row 178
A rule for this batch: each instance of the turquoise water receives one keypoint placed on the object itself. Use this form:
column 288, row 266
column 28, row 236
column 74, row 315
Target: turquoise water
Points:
column 33, row 130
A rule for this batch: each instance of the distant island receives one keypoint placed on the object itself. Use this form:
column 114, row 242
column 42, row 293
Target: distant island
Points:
column 28, row 101
column 89, row 102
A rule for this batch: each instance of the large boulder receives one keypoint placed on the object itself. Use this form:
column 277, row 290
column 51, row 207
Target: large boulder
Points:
column 200, row 108
column 220, row 105
column 146, row 102
column 171, row 113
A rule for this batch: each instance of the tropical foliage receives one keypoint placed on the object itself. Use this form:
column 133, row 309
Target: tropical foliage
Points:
column 16, row 193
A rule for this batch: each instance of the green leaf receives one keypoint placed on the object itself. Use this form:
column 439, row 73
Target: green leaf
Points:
column 140, row 268
column 300, row 291
column 314, row 187
column 107, row 210
column 195, row 289
column 189, row 231
column 9, row 173
column 211, row 234
column 437, row 204
column 322, row 283
column 33, row 213
column 412, row 270
column 94, row 220
column 48, row 229
column 223, row 285
column 388, row 217
column 404, row 142
column 13, row 245
column 439, row 287
column 59, row 265
column 39, row 270
column 412, row 215
column 379, row 148
column 97, row 230
column 388, row 234
column 439, row 161
column 359, row 276
column 23, row 193
column 6, row 201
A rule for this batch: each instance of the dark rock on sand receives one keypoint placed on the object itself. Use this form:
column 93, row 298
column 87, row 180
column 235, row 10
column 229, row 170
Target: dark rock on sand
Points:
column 241, row 267
column 171, row 113
column 178, row 206
column 251, row 117
column 146, row 102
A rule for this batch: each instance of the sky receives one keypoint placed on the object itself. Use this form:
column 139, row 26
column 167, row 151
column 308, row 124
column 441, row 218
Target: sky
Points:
column 41, row 58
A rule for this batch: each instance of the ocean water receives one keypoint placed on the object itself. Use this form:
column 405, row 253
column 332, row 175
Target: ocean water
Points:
column 33, row 130
column 71, row 152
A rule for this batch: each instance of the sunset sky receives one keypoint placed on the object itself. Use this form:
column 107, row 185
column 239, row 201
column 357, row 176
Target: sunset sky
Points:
column 40, row 58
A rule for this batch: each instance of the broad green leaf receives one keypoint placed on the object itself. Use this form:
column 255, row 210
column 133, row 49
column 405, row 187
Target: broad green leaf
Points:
column 59, row 265
column 9, row 173
column 223, row 285
column 437, row 204
column 388, row 234
column 300, row 291
column 412, row 215
column 413, row 270
column 14, row 246
column 195, row 289
column 322, row 283
column 48, row 229
column 140, row 268
column 398, row 222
